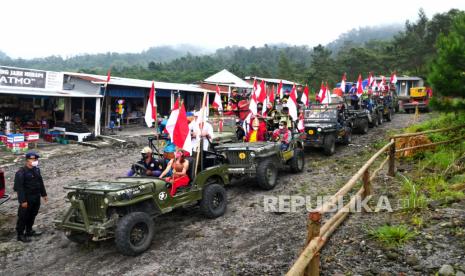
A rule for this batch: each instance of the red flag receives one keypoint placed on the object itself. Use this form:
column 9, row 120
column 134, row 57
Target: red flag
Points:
column 271, row 96
column 108, row 75
column 327, row 95
column 178, row 128
column 370, row 79
column 151, row 110
column 292, row 103
column 217, row 101
column 359, row 86
column 304, row 98
column 322, row 93
column 262, row 94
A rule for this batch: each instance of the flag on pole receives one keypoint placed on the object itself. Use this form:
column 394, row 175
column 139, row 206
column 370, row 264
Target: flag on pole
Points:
column 304, row 98
column 108, row 77
column 322, row 93
column 292, row 104
column 151, row 110
column 263, row 97
column 393, row 78
column 382, row 83
column 343, row 83
column 280, row 91
column 217, row 101
column 370, row 79
column 300, row 124
column 271, row 96
column 327, row 95
column 178, row 128
column 359, row 86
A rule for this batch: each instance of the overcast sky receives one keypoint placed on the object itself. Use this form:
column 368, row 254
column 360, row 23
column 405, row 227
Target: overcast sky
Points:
column 40, row 28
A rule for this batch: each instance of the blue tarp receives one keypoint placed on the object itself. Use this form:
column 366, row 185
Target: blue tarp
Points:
column 133, row 92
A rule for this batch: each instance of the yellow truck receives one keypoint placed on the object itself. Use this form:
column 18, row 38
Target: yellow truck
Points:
column 419, row 96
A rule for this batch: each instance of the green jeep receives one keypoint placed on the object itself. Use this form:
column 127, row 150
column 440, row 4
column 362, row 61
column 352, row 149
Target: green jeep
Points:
column 262, row 160
column 125, row 208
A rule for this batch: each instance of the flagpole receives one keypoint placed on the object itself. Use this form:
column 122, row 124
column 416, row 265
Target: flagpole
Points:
column 201, row 138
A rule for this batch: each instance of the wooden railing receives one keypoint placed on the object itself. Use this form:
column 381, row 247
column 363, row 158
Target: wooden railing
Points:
column 308, row 263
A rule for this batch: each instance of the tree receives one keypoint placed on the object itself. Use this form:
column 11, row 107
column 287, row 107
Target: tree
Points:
column 284, row 67
column 448, row 68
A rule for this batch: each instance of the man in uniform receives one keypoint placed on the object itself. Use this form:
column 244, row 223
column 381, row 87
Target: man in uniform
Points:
column 151, row 165
column 30, row 188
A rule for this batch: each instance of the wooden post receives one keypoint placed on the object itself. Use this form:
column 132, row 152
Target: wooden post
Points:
column 82, row 109
column 366, row 184
column 313, row 228
column 392, row 159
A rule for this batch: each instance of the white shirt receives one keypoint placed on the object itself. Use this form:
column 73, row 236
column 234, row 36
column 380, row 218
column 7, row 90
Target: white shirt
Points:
column 195, row 134
column 207, row 129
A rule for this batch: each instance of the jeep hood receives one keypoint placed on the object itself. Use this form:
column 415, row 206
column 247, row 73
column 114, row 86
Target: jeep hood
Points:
column 257, row 146
column 111, row 186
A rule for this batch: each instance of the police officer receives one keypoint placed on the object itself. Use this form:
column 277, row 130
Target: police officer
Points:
column 151, row 166
column 30, row 187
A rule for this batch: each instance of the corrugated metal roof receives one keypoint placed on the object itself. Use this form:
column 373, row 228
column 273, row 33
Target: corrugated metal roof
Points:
column 44, row 92
column 269, row 80
column 225, row 77
column 140, row 83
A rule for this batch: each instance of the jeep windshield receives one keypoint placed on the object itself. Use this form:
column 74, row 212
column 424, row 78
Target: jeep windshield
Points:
column 321, row 114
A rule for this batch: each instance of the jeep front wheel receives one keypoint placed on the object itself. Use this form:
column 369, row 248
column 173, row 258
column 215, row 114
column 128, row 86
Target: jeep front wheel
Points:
column 298, row 161
column 329, row 144
column 267, row 174
column 214, row 201
column 134, row 233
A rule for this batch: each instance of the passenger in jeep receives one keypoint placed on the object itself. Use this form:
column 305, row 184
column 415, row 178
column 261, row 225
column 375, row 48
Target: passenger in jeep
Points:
column 180, row 166
column 282, row 134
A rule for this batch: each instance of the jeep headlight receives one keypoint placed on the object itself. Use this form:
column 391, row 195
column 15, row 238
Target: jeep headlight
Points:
column 310, row 131
column 242, row 155
column 106, row 200
column 252, row 154
column 318, row 129
column 73, row 198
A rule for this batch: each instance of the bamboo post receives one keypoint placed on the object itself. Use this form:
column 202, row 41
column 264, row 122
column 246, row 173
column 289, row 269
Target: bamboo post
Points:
column 392, row 158
column 368, row 190
column 313, row 228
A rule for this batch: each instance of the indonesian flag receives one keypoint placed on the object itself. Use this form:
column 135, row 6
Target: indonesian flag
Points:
column 382, row 83
column 262, row 97
column 327, row 95
column 370, row 79
column 304, row 98
column 108, row 77
column 280, row 91
column 217, row 101
column 253, row 99
column 343, row 83
column 393, row 78
column 322, row 94
column 178, row 128
column 271, row 96
column 151, row 110
column 292, row 103
column 359, row 86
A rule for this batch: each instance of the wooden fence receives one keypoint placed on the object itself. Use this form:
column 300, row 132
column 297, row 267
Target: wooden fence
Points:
column 308, row 263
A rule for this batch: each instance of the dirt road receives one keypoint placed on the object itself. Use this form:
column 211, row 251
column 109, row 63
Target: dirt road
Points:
column 245, row 241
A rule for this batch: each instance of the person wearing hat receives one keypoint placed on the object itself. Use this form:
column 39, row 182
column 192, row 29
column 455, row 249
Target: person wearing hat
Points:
column 29, row 186
column 256, row 132
column 151, row 165
column 282, row 134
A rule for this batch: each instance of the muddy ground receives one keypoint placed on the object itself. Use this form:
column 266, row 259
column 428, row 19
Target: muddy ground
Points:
column 245, row 241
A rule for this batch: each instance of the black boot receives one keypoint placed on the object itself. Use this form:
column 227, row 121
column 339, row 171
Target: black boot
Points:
column 23, row 238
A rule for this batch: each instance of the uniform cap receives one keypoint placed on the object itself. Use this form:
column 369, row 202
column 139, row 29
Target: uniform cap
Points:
column 146, row 150
column 32, row 155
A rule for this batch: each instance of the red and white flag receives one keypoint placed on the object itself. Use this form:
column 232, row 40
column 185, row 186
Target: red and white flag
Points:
column 393, row 78
column 304, row 98
column 108, row 77
column 292, row 104
column 359, row 86
column 370, row 79
column 151, row 110
column 262, row 97
column 217, row 101
column 178, row 128
column 343, row 83
column 382, row 83
column 327, row 95
column 280, row 91
column 300, row 124
column 322, row 93
column 271, row 96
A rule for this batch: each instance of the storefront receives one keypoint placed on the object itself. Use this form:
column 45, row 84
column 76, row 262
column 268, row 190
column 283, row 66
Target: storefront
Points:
column 37, row 101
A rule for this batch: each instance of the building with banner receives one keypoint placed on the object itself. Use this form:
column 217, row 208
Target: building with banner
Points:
column 37, row 100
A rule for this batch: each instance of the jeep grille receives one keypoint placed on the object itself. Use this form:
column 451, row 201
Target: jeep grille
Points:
column 234, row 159
column 92, row 203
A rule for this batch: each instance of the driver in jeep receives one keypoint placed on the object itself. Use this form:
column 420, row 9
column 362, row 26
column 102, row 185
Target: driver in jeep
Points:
column 147, row 166
column 282, row 134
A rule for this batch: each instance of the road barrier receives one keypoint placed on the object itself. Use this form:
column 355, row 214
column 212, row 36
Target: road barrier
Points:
column 308, row 262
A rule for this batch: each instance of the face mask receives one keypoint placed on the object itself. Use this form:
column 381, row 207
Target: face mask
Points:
column 178, row 155
column 35, row 163
column 254, row 128
column 281, row 127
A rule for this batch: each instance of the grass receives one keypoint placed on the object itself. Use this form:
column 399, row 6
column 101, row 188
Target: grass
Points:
column 413, row 199
column 392, row 235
